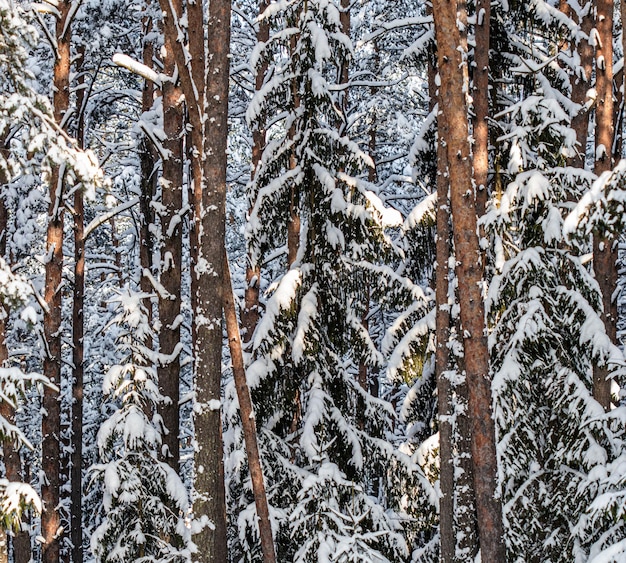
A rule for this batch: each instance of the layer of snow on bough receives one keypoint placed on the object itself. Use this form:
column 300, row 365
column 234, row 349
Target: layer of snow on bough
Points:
column 307, row 314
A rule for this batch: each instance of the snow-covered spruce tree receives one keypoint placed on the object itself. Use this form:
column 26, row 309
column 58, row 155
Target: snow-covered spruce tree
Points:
column 546, row 336
column 321, row 430
column 601, row 212
column 15, row 496
column 145, row 502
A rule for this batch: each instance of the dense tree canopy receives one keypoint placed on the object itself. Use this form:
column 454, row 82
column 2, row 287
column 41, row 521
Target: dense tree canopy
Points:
column 312, row 281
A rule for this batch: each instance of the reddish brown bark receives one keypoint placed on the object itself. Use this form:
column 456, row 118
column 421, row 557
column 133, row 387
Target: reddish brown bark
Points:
column 247, row 420
column 51, row 419
column 604, row 251
column 580, row 87
column 480, row 95
column 171, row 255
column 455, row 131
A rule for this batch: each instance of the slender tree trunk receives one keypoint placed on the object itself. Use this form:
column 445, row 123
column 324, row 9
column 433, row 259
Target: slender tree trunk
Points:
column 250, row 313
column 455, row 131
column 247, row 420
column 582, row 83
column 171, row 255
column 480, row 95
column 442, row 365
column 604, row 251
column 293, row 229
column 447, row 539
column 147, row 164
column 76, row 476
column 51, row 419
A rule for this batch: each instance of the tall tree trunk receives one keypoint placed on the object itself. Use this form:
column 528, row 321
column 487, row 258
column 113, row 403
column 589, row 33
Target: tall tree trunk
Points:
column 582, row 83
column 247, row 420
column 210, row 499
column 76, row 476
column 455, row 131
column 442, row 364
column 604, row 251
column 171, row 255
column 209, row 133
column 51, row 419
column 480, row 95
column 447, row 536
column 147, row 164
column 293, row 228
column 250, row 313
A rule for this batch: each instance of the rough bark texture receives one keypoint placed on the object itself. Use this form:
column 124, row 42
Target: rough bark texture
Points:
column 581, row 85
column 171, row 255
column 480, row 95
column 604, row 252
column 51, row 419
column 447, row 540
column 247, row 420
column 455, row 131
column 208, row 347
column 147, row 163
column 76, row 476
column 250, row 313
column 209, row 175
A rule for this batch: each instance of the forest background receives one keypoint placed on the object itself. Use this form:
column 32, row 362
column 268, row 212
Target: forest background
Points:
column 419, row 354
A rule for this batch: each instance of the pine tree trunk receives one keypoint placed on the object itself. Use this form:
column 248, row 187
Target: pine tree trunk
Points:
column 51, row 419
column 209, row 133
column 76, row 476
column 469, row 272
column 210, row 222
column 442, row 364
column 581, row 85
column 480, row 95
column 447, row 540
column 171, row 255
column 604, row 251
column 293, row 229
column 247, row 420
column 147, row 164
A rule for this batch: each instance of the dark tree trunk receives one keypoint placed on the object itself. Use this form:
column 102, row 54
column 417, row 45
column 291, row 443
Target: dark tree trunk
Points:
column 147, row 163
column 210, row 222
column 442, row 365
column 447, row 536
column 581, row 85
column 76, row 475
column 171, row 255
column 51, row 419
column 455, row 131
column 604, row 251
